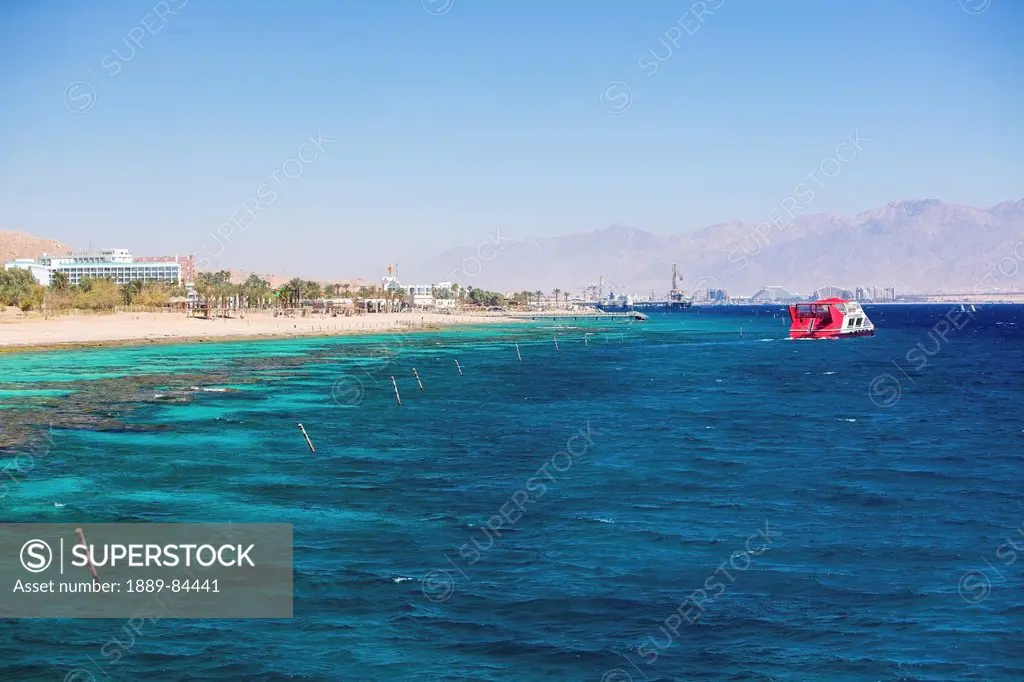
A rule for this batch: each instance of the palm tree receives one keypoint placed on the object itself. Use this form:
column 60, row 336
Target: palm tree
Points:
column 312, row 290
column 294, row 290
column 281, row 296
column 254, row 289
column 204, row 285
column 225, row 292
column 556, row 292
column 59, row 281
column 130, row 290
column 538, row 294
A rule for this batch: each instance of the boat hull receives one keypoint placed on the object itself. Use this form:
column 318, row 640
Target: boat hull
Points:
column 830, row 334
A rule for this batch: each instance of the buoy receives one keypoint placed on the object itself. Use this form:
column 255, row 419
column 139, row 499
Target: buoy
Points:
column 417, row 375
column 458, row 367
column 306, row 436
column 398, row 398
column 517, row 353
column 88, row 555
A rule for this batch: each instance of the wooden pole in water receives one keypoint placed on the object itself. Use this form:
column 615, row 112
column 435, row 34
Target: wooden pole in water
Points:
column 585, row 342
column 517, row 353
column 398, row 398
column 458, row 367
column 417, row 375
column 556, row 342
column 306, row 436
column 88, row 555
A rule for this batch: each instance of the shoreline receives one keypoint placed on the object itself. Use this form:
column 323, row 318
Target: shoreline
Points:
column 123, row 329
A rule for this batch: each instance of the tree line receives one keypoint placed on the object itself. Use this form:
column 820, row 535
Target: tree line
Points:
column 18, row 287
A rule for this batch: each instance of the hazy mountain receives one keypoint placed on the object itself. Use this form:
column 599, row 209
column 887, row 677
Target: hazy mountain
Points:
column 21, row 245
column 920, row 245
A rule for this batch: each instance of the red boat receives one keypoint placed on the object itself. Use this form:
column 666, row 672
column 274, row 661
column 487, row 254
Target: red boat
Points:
column 829, row 318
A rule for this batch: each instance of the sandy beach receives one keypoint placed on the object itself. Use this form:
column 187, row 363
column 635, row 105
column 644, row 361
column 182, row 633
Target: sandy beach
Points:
column 21, row 333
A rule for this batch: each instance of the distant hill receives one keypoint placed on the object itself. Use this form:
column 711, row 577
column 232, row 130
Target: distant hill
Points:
column 918, row 245
column 21, row 245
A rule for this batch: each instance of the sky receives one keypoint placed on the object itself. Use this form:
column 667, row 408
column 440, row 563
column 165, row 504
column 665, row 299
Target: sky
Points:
column 342, row 135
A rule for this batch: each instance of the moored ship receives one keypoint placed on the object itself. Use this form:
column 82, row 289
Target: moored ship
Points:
column 829, row 318
column 676, row 301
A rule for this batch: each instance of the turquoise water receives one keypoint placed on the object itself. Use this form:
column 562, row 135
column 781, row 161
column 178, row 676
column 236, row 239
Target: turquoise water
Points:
column 845, row 510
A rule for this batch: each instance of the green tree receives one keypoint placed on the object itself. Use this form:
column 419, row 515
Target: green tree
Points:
column 255, row 288
column 19, row 287
column 130, row 290
column 312, row 290
column 59, row 281
column 102, row 294
column 205, row 287
column 294, row 290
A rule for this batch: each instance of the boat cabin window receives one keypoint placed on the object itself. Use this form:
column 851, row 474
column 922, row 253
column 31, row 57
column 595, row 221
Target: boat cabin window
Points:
column 805, row 310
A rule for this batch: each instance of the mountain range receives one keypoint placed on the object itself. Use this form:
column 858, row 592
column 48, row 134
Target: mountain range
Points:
column 917, row 245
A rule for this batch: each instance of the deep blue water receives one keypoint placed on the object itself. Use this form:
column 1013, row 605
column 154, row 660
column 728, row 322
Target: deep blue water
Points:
column 846, row 506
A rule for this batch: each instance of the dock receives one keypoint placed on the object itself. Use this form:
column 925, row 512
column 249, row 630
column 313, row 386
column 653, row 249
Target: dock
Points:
column 585, row 316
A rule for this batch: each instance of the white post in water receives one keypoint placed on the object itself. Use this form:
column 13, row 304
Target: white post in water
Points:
column 88, row 555
column 556, row 342
column 398, row 398
column 417, row 375
column 517, row 353
column 458, row 367
column 306, row 436
column 585, row 342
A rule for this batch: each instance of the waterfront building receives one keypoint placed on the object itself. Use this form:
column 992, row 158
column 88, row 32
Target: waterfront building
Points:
column 831, row 292
column 771, row 294
column 419, row 295
column 39, row 271
column 709, row 296
column 116, row 264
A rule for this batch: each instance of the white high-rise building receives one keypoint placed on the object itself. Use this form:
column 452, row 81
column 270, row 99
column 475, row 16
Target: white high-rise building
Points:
column 115, row 264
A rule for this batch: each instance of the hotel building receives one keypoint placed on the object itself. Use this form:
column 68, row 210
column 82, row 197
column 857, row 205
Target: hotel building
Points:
column 115, row 264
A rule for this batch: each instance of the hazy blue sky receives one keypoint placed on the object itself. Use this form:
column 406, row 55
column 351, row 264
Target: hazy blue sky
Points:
column 452, row 116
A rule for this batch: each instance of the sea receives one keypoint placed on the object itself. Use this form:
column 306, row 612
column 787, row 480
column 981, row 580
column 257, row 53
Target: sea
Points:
column 695, row 497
